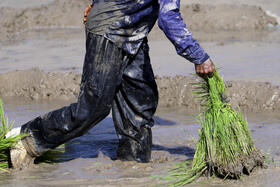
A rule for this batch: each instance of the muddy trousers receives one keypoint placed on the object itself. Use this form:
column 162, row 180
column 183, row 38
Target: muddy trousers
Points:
column 111, row 80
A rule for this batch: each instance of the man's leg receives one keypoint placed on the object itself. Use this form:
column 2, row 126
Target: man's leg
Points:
column 133, row 108
column 102, row 72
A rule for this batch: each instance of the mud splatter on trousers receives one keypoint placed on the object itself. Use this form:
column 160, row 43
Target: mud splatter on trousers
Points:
column 113, row 80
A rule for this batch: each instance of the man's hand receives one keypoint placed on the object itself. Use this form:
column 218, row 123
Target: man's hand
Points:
column 206, row 69
column 87, row 10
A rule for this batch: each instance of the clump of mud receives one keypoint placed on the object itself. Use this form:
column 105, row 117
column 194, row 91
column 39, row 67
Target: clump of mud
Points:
column 245, row 165
column 173, row 91
column 65, row 13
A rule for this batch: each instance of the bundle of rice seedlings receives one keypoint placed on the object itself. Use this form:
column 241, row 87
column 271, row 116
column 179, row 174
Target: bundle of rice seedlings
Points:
column 225, row 148
column 5, row 142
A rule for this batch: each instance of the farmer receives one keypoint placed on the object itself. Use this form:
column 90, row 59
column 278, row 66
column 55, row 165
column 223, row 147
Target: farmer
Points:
column 117, row 76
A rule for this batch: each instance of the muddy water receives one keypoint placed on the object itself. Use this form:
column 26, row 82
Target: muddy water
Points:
column 241, row 55
column 90, row 160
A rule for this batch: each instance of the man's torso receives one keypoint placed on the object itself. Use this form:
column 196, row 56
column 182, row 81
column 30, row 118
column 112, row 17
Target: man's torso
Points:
column 124, row 22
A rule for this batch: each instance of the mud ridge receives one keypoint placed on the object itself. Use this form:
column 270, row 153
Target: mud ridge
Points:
column 173, row 91
column 65, row 13
column 177, row 91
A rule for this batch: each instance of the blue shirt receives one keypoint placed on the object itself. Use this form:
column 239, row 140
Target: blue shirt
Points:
column 128, row 22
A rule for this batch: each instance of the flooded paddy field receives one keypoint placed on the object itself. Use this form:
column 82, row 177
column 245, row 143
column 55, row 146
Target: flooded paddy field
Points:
column 41, row 65
column 90, row 160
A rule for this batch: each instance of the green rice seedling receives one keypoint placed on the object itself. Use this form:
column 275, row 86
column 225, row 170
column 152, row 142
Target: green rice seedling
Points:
column 5, row 142
column 225, row 148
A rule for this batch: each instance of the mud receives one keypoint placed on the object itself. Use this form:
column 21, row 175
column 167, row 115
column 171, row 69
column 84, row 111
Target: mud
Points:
column 68, row 13
column 177, row 91
column 174, row 91
column 60, row 13
column 245, row 165
column 36, row 84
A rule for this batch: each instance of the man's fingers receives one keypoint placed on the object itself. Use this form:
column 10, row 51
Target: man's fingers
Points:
column 206, row 69
column 86, row 12
column 212, row 70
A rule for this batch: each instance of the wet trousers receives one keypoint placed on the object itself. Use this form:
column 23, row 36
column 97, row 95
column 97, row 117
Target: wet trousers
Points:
column 111, row 80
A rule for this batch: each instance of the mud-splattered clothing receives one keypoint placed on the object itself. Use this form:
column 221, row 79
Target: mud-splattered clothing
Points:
column 111, row 80
column 127, row 22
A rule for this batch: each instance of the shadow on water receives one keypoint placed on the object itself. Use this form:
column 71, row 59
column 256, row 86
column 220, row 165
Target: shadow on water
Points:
column 100, row 139
column 103, row 139
column 178, row 150
column 163, row 122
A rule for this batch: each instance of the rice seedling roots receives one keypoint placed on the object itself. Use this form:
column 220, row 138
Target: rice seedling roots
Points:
column 245, row 165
